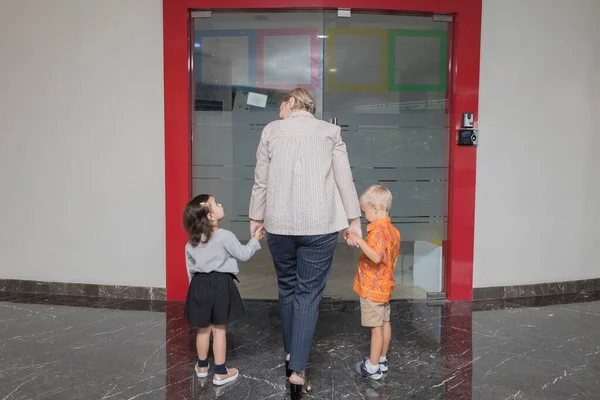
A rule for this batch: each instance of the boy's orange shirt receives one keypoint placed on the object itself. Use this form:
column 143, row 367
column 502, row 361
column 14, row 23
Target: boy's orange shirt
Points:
column 376, row 282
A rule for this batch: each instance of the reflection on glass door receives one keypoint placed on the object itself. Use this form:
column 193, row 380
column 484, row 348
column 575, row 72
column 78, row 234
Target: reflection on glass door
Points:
column 382, row 76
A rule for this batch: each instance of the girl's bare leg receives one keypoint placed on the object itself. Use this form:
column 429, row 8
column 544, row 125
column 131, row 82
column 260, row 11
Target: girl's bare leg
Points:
column 219, row 343
column 203, row 342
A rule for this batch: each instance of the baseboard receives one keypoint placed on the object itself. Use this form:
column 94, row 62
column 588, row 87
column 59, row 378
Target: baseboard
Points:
column 82, row 289
column 539, row 289
column 154, row 293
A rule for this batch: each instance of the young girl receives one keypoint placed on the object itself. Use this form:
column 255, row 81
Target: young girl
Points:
column 213, row 299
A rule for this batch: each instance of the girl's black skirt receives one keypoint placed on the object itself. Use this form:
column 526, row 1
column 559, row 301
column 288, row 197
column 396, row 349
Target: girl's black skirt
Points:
column 213, row 299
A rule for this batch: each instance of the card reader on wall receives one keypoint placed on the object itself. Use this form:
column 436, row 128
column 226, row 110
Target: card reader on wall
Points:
column 467, row 137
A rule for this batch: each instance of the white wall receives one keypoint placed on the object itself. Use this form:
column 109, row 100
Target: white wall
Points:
column 538, row 173
column 81, row 141
column 82, row 155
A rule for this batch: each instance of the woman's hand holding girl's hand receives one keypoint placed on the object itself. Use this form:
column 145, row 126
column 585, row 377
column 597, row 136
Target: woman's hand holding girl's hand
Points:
column 254, row 225
column 259, row 233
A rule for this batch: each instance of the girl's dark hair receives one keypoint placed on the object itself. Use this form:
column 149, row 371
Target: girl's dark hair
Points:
column 195, row 220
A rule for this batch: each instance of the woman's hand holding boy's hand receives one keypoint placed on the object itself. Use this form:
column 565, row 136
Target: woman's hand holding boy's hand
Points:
column 352, row 237
column 356, row 229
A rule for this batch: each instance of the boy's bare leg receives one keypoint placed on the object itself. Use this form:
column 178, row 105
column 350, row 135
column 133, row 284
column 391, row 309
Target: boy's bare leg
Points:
column 219, row 343
column 387, row 338
column 203, row 342
column 376, row 345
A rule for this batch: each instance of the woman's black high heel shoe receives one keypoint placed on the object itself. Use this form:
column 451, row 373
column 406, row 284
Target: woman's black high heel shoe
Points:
column 296, row 390
column 288, row 371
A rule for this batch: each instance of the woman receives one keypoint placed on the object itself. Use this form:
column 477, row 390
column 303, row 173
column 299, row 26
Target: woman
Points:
column 304, row 193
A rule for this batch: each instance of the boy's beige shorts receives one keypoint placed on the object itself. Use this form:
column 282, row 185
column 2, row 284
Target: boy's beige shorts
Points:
column 374, row 314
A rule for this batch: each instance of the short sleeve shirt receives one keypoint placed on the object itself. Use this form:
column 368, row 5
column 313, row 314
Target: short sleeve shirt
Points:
column 372, row 281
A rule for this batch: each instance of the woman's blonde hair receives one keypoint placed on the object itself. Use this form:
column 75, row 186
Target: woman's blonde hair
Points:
column 303, row 100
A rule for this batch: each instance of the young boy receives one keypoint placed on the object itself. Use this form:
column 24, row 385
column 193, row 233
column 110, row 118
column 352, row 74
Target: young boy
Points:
column 375, row 281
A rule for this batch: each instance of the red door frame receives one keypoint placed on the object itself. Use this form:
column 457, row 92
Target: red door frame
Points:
column 463, row 94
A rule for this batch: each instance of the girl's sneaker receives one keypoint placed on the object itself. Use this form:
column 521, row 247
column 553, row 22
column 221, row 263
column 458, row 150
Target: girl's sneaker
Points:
column 232, row 375
column 201, row 372
column 384, row 366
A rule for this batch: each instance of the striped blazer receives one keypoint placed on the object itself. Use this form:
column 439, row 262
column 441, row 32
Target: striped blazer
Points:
column 302, row 181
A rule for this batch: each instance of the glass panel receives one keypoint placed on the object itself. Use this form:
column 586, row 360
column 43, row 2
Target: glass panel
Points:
column 236, row 53
column 382, row 76
column 385, row 83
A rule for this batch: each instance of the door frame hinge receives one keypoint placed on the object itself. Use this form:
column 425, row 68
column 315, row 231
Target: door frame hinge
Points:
column 443, row 18
column 436, row 295
column 344, row 12
column 201, row 14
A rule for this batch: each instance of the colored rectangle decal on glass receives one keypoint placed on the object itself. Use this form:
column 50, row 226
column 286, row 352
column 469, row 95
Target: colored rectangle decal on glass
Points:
column 357, row 59
column 287, row 58
column 236, row 65
column 418, row 60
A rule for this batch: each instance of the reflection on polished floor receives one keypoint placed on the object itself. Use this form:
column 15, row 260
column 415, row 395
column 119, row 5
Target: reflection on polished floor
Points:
column 77, row 348
column 259, row 281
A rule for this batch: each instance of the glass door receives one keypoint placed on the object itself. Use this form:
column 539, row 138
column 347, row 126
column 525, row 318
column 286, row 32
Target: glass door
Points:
column 385, row 85
column 382, row 76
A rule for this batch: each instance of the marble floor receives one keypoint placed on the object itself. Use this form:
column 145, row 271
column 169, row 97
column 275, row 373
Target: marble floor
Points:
column 80, row 348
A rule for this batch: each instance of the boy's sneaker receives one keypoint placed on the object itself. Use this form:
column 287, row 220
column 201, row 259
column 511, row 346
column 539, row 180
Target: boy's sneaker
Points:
column 361, row 369
column 232, row 375
column 384, row 366
column 201, row 372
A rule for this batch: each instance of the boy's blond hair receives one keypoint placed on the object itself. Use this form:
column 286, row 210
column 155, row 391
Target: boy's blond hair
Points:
column 377, row 195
